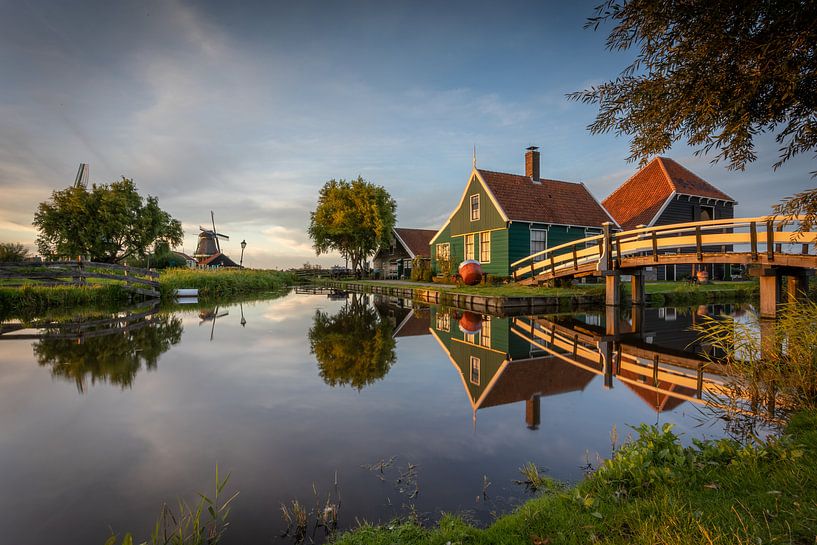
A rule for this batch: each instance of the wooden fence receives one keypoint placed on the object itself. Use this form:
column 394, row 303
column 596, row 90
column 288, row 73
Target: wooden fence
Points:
column 78, row 273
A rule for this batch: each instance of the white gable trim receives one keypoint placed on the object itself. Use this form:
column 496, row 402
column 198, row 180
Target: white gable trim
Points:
column 403, row 242
column 661, row 210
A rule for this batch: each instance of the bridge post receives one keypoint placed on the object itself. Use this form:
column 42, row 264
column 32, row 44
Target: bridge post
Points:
column 532, row 412
column 768, row 293
column 796, row 287
column 612, row 288
column 637, row 288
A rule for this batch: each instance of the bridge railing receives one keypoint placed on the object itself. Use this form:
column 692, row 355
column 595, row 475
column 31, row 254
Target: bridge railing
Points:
column 761, row 237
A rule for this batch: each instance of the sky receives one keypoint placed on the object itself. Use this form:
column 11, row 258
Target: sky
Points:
column 248, row 108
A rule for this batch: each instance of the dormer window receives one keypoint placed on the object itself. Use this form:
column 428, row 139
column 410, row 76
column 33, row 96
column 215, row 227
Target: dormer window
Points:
column 475, row 207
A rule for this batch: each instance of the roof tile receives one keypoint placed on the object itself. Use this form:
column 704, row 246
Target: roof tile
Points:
column 640, row 198
column 544, row 201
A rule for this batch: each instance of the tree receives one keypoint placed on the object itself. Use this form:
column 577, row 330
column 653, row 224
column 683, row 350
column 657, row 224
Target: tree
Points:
column 11, row 252
column 715, row 73
column 354, row 346
column 109, row 223
column 354, row 218
column 111, row 353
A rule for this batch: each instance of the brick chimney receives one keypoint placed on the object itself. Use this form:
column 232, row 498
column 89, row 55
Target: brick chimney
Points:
column 532, row 163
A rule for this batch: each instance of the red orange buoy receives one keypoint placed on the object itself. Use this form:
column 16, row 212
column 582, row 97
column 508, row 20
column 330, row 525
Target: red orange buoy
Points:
column 470, row 322
column 470, row 272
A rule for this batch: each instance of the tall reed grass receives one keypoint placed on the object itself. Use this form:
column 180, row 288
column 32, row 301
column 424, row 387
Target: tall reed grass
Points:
column 223, row 282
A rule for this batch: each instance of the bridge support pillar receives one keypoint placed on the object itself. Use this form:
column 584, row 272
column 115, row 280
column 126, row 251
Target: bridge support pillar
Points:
column 637, row 288
column 532, row 413
column 607, row 354
column 612, row 288
column 796, row 287
column 769, row 293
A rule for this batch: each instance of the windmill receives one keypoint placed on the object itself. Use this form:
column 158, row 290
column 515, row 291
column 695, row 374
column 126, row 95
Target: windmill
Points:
column 208, row 244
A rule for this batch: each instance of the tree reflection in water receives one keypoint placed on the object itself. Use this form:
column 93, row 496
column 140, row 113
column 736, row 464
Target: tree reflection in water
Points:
column 354, row 346
column 113, row 353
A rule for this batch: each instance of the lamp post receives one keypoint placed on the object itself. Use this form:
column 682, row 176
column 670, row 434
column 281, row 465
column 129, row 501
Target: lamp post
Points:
column 241, row 262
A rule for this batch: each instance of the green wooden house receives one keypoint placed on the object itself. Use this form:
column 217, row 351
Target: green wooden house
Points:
column 502, row 218
column 497, row 367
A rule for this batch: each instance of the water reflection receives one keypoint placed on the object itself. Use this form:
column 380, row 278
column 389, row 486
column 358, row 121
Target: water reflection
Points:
column 354, row 346
column 504, row 360
column 112, row 349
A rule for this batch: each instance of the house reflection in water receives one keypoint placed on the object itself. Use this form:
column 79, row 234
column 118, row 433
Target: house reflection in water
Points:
column 498, row 368
column 653, row 352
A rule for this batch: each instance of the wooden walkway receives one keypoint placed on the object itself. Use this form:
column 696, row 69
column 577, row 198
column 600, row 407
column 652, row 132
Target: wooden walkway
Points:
column 79, row 273
column 768, row 244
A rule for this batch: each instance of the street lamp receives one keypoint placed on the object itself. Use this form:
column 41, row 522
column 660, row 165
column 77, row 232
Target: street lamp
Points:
column 241, row 262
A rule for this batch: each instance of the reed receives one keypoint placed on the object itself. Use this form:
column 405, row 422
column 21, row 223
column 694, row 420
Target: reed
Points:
column 223, row 282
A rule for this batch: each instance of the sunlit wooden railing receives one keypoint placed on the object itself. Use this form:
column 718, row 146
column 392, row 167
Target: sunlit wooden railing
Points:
column 761, row 239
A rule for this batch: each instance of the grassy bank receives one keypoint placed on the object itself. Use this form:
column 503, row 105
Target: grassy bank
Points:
column 655, row 491
column 31, row 300
column 657, row 292
column 223, row 282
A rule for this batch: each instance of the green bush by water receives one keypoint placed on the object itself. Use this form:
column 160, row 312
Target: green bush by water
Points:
column 220, row 282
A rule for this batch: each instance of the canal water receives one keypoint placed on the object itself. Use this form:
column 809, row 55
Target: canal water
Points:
column 387, row 409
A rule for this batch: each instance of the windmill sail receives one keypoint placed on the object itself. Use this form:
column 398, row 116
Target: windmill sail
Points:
column 82, row 176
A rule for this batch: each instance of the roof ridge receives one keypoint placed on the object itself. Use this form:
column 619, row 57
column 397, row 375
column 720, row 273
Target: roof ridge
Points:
column 667, row 176
column 528, row 177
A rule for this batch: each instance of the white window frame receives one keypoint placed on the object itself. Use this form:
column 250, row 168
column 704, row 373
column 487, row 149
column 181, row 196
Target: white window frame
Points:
column 447, row 253
column 485, row 333
column 545, row 241
column 711, row 208
column 474, row 199
column 443, row 321
column 485, row 243
column 473, row 252
column 474, row 377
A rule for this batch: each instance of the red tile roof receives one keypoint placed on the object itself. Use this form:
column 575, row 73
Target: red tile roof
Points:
column 545, row 201
column 416, row 240
column 639, row 199
column 545, row 376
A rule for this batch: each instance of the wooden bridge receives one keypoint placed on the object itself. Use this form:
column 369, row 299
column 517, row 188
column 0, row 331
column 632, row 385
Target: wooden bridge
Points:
column 78, row 273
column 769, row 245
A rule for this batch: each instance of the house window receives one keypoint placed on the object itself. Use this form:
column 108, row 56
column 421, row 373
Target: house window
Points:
column 538, row 242
column 485, row 247
column 469, row 247
column 443, row 321
column 707, row 213
column 475, row 371
column 485, row 333
column 444, row 251
column 475, row 207
column 470, row 338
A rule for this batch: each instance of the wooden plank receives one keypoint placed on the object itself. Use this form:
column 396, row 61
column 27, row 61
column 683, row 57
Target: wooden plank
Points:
column 753, row 240
column 770, row 240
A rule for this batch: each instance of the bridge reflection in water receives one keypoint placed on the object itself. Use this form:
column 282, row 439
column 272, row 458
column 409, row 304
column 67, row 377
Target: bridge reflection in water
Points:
column 652, row 352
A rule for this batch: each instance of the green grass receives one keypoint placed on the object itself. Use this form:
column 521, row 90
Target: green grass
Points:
column 659, row 292
column 30, row 300
column 655, row 491
column 223, row 282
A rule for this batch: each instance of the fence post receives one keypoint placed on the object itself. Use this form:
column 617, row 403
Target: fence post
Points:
column 80, row 270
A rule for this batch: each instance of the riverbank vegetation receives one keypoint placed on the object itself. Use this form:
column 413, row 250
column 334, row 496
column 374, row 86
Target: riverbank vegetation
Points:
column 223, row 282
column 654, row 490
column 30, row 300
